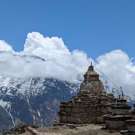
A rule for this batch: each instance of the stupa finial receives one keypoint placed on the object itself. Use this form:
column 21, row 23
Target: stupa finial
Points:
column 91, row 67
column 91, row 63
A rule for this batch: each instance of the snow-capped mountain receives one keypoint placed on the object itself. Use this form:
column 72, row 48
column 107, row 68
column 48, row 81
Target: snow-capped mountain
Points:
column 32, row 85
column 32, row 100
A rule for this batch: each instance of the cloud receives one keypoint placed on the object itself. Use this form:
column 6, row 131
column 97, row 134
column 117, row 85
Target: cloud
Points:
column 44, row 57
column 4, row 46
column 119, row 70
column 50, row 57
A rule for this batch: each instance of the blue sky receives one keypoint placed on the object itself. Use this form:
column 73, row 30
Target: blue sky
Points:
column 94, row 26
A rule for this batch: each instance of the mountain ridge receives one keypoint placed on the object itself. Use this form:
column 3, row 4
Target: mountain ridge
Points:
column 34, row 100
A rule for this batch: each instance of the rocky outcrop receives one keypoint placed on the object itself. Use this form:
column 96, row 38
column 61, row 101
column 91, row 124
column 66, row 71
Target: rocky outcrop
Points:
column 6, row 121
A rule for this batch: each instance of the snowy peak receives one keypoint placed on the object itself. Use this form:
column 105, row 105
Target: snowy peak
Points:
column 39, row 99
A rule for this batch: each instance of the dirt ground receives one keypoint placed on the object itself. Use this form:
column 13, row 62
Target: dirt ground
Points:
column 65, row 130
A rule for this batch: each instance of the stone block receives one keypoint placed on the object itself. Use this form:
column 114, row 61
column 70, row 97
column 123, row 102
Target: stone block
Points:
column 130, row 124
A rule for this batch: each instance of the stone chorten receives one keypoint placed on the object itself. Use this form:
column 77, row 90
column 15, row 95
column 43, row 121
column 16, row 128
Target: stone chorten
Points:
column 120, row 113
column 90, row 104
column 130, row 124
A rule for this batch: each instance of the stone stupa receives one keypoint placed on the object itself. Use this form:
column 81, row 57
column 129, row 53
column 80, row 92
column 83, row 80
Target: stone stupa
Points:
column 90, row 104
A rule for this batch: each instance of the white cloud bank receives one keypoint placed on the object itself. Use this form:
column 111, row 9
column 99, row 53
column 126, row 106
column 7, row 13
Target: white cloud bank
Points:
column 4, row 46
column 43, row 57
column 119, row 69
column 50, row 57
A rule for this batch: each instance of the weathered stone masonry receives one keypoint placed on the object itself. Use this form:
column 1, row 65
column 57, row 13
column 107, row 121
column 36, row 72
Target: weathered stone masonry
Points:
column 90, row 104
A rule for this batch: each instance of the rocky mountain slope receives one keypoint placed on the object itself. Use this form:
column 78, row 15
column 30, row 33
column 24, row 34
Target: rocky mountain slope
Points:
column 32, row 100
